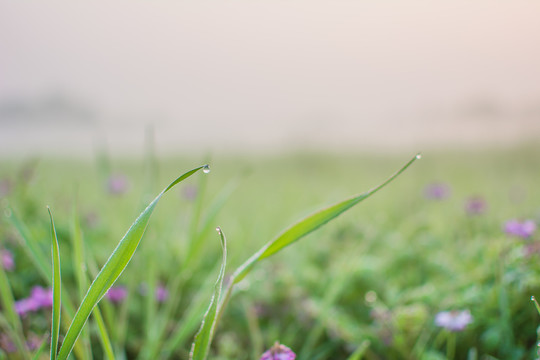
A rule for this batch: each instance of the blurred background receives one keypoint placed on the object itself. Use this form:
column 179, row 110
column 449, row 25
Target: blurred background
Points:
column 267, row 76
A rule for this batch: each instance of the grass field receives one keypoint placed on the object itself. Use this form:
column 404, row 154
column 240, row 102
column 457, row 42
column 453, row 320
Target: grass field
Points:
column 371, row 284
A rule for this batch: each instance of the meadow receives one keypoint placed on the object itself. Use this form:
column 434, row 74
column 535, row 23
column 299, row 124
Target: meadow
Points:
column 439, row 264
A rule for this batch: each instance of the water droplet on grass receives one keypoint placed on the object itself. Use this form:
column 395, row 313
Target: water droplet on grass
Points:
column 206, row 169
column 418, row 156
column 533, row 298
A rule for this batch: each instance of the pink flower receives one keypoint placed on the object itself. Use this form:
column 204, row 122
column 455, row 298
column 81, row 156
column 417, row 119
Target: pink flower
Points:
column 116, row 294
column 278, row 352
column 117, row 184
column 475, row 205
column 39, row 298
column 453, row 320
column 437, row 191
column 162, row 294
column 7, row 260
column 523, row 229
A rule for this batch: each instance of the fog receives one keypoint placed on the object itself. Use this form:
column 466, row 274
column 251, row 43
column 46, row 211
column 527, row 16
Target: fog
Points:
column 250, row 76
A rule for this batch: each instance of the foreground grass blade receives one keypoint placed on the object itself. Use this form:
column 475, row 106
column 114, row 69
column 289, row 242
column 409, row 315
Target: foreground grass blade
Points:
column 309, row 224
column 56, row 283
column 201, row 345
column 113, row 268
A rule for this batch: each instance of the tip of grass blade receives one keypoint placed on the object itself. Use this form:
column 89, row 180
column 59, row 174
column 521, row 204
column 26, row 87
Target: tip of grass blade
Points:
column 533, row 299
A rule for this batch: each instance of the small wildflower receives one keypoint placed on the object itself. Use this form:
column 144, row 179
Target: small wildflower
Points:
column 6, row 187
column 278, row 352
column 523, row 229
column 453, row 320
column 6, row 260
column 475, row 205
column 6, row 344
column 117, row 184
column 39, row 298
column 437, row 191
column 43, row 297
column 116, row 294
column 162, row 294
column 190, row 192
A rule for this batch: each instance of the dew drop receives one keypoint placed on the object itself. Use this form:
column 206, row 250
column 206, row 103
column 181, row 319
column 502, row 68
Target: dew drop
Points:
column 371, row 296
column 206, row 169
column 418, row 156
column 533, row 298
column 218, row 229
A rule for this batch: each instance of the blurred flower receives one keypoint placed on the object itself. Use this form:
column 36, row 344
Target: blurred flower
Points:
column 162, row 294
column 5, row 187
column 43, row 297
column 116, row 294
column 91, row 219
column 278, row 352
column 117, row 184
column 523, row 229
column 453, row 320
column 39, row 298
column 475, row 205
column 6, row 259
column 437, row 191
column 190, row 192
column 6, row 344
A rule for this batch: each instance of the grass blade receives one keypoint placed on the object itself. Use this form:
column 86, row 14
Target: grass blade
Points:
column 201, row 345
column 113, row 268
column 360, row 351
column 309, row 224
column 103, row 334
column 57, row 288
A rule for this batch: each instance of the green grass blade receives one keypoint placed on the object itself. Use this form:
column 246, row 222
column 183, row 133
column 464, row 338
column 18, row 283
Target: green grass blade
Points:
column 79, row 266
column 360, row 351
column 113, row 268
column 203, row 339
column 32, row 248
column 103, row 334
column 57, row 288
column 8, row 303
column 533, row 299
column 309, row 224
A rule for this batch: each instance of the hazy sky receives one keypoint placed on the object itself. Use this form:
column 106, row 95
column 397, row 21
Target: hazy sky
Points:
column 272, row 73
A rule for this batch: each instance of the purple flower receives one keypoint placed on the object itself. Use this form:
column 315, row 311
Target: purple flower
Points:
column 190, row 192
column 6, row 344
column 453, row 320
column 116, row 294
column 437, row 191
column 278, row 352
column 5, row 187
column 6, row 259
column 162, row 294
column 523, row 229
column 475, row 205
column 43, row 297
column 117, row 184
column 39, row 298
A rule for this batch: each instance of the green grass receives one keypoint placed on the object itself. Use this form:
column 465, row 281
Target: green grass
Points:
column 368, row 285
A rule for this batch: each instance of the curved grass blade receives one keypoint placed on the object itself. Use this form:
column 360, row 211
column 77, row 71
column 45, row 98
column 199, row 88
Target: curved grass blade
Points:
column 201, row 345
column 57, row 288
column 309, row 224
column 113, row 268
